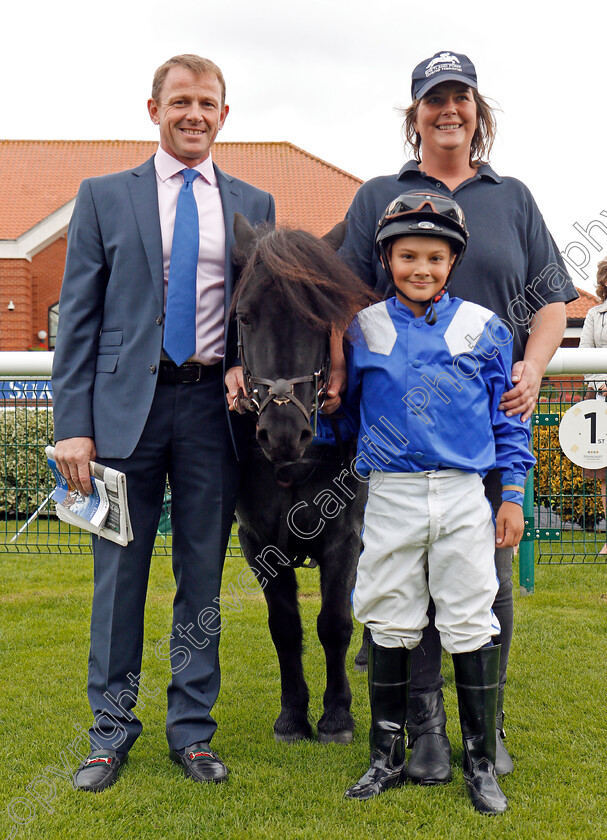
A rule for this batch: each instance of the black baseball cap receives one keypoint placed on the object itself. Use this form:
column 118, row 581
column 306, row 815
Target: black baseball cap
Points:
column 444, row 66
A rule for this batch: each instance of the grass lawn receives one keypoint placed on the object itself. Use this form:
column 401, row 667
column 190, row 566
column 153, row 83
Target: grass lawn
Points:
column 555, row 723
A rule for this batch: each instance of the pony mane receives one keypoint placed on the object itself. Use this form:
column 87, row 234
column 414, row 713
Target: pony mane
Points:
column 307, row 275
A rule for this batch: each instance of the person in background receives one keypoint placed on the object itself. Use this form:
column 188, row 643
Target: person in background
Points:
column 512, row 267
column 594, row 334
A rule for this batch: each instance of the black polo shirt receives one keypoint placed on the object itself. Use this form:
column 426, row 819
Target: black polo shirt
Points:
column 511, row 265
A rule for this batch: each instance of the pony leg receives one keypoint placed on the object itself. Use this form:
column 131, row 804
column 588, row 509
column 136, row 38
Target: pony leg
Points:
column 334, row 626
column 287, row 634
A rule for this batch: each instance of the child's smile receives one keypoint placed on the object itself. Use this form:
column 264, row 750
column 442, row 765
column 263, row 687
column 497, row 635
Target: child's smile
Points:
column 420, row 268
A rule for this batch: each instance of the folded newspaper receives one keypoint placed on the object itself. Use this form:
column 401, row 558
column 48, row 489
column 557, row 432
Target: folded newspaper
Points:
column 105, row 512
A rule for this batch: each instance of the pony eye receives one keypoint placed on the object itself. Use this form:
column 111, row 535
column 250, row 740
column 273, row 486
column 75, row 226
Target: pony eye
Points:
column 244, row 320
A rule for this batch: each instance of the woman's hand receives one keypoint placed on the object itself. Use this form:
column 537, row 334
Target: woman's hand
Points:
column 547, row 330
column 338, row 378
column 509, row 525
column 337, row 384
column 521, row 399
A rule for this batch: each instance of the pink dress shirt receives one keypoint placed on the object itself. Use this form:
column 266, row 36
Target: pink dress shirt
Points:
column 210, row 277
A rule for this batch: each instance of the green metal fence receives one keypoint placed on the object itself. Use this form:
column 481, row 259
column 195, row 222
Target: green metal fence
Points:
column 27, row 519
column 564, row 509
column 568, row 504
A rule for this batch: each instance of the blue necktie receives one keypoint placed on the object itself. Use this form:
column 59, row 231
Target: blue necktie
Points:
column 180, row 316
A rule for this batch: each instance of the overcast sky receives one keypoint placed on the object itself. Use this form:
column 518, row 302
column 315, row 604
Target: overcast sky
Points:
column 327, row 76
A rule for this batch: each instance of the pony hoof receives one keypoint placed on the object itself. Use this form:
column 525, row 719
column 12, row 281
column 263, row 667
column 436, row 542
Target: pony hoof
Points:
column 292, row 726
column 343, row 737
column 290, row 738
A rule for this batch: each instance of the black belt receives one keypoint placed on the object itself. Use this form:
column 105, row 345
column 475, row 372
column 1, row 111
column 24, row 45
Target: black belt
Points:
column 170, row 374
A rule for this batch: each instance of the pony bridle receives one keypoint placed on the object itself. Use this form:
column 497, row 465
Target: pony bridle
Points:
column 281, row 391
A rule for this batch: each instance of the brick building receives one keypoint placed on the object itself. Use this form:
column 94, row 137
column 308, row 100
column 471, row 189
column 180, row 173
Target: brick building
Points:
column 38, row 187
column 40, row 180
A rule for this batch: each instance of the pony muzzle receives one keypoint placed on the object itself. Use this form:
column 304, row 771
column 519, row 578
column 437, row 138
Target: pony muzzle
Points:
column 283, row 432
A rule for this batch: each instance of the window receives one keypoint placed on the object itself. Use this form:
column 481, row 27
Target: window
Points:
column 53, row 320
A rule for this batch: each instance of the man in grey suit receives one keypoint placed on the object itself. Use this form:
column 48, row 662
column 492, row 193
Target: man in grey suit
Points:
column 142, row 349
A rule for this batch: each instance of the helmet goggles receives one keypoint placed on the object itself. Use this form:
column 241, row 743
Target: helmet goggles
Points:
column 425, row 214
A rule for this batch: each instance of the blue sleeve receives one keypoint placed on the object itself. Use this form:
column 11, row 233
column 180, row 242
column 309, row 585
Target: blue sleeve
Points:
column 512, row 436
column 346, row 420
column 354, row 390
column 347, row 417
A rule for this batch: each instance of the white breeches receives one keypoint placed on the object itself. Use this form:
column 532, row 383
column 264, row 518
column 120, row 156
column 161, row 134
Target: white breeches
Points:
column 427, row 534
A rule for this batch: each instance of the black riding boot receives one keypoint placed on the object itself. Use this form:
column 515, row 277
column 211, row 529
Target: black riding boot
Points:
column 430, row 759
column 476, row 678
column 388, row 689
column 503, row 760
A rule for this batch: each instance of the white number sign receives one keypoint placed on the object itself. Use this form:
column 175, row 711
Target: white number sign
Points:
column 583, row 433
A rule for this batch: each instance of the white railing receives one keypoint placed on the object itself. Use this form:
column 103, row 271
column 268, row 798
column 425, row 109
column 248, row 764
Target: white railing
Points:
column 26, row 365
column 570, row 361
column 566, row 361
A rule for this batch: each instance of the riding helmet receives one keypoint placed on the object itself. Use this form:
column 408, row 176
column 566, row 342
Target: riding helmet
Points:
column 418, row 213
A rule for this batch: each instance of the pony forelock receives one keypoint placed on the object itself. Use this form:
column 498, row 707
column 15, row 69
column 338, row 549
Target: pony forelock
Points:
column 310, row 278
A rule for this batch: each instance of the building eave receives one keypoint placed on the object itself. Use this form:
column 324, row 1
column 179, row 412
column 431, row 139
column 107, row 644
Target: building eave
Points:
column 39, row 237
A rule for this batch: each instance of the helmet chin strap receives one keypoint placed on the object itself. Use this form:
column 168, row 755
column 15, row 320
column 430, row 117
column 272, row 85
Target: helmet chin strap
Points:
column 431, row 316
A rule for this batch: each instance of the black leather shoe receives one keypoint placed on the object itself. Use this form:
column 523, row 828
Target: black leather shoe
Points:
column 381, row 775
column 200, row 763
column 430, row 760
column 503, row 759
column 99, row 770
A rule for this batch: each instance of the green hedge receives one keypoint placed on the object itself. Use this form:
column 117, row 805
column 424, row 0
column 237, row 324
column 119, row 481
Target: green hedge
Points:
column 25, row 478
column 561, row 485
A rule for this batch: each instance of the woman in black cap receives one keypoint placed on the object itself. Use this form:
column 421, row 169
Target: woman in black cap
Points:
column 512, row 267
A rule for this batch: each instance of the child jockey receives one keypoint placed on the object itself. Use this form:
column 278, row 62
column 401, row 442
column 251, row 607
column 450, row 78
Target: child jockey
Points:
column 428, row 372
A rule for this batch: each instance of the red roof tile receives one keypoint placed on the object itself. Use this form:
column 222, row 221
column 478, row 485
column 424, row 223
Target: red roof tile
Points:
column 578, row 308
column 40, row 176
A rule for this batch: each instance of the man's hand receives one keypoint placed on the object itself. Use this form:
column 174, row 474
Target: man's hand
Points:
column 235, row 383
column 509, row 525
column 72, row 457
column 521, row 399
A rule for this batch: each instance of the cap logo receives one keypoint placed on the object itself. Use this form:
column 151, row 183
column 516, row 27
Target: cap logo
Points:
column 444, row 61
column 426, row 225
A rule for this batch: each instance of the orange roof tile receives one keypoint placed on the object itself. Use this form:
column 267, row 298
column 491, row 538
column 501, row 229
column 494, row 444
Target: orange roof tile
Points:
column 577, row 309
column 40, row 176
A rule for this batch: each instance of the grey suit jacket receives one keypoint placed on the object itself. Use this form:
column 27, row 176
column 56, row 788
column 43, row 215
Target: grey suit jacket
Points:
column 112, row 304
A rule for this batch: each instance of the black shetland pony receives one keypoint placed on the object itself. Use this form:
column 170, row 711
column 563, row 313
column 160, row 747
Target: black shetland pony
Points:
column 298, row 499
